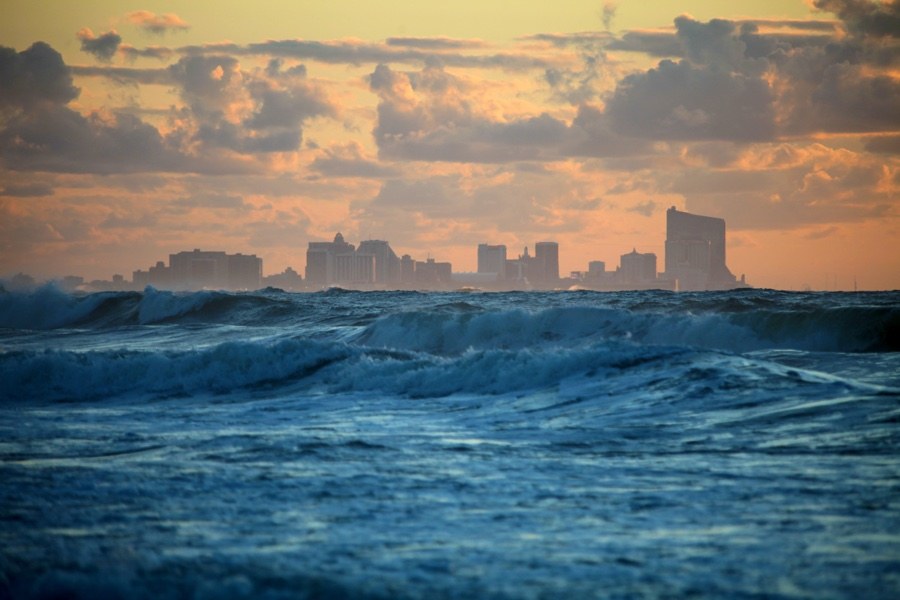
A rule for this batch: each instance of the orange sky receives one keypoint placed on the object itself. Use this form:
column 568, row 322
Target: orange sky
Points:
column 129, row 134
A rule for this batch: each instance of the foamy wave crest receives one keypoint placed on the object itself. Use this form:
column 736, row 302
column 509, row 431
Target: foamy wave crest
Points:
column 848, row 330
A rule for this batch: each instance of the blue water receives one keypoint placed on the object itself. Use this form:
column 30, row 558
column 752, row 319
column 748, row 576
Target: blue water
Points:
column 449, row 445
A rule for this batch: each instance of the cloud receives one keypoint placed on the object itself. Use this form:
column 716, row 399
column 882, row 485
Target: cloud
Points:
column 157, row 24
column 678, row 101
column 34, row 76
column 888, row 144
column 645, row 209
column 609, row 13
column 431, row 115
column 61, row 140
column 435, row 43
column 354, row 52
column 865, row 17
column 787, row 186
column 102, row 47
column 210, row 200
column 349, row 161
column 27, row 190
column 126, row 75
column 156, row 52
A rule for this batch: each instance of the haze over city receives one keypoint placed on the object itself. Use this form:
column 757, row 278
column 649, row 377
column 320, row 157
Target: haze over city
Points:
column 130, row 132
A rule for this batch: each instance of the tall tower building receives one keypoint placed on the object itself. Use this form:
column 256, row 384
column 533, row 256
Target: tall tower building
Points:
column 546, row 258
column 695, row 252
column 492, row 259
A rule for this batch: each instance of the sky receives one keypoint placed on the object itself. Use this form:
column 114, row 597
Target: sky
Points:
column 132, row 131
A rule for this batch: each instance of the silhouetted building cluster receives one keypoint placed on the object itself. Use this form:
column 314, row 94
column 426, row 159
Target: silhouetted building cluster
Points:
column 695, row 260
column 372, row 265
column 203, row 269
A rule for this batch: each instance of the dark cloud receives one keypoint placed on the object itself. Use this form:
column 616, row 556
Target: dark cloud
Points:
column 361, row 53
column 287, row 107
column 655, row 43
column 27, row 190
column 126, row 75
column 678, row 101
column 865, row 17
column 888, row 144
column 103, row 47
column 426, row 116
column 33, row 76
column 207, row 83
column 157, row 52
column 562, row 40
column 434, row 43
column 62, row 140
column 157, row 24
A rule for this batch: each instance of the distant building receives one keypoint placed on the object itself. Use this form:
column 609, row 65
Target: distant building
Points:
column 320, row 257
column 352, row 268
column 695, row 252
column 340, row 263
column 289, row 279
column 203, row 269
column 546, row 263
column 492, row 259
column 637, row 269
column 434, row 273
column 387, row 265
column 244, row 272
column 407, row 270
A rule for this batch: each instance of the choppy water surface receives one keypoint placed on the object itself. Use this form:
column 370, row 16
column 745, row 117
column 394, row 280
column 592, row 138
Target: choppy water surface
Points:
column 449, row 445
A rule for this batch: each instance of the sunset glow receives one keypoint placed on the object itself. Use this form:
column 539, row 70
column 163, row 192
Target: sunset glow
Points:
column 131, row 132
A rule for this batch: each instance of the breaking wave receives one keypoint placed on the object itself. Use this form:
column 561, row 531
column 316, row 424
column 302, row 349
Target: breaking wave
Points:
column 313, row 367
column 737, row 322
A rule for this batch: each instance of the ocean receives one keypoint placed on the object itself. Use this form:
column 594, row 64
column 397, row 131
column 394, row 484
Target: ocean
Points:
column 521, row 445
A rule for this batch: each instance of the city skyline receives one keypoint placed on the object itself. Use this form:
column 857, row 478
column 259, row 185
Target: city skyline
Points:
column 129, row 133
column 694, row 261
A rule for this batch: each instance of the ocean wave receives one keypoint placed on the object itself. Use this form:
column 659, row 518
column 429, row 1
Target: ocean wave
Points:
column 844, row 329
column 50, row 308
column 298, row 366
column 449, row 324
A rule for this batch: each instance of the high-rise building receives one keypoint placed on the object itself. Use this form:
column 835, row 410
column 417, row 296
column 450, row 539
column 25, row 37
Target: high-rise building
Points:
column 695, row 252
column 244, row 271
column 637, row 268
column 546, row 260
column 387, row 265
column 199, row 269
column 492, row 259
column 320, row 259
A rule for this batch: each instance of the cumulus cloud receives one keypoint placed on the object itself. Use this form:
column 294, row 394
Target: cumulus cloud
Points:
column 157, row 24
column 62, row 140
column 34, row 76
column 678, row 101
column 865, row 17
column 787, row 186
column 103, row 47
